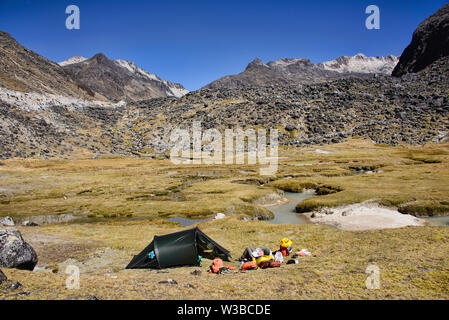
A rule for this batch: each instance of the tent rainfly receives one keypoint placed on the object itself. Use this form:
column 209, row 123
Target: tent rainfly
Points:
column 178, row 249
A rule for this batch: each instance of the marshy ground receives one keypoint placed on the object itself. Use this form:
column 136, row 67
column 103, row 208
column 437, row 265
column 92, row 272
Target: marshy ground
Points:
column 124, row 202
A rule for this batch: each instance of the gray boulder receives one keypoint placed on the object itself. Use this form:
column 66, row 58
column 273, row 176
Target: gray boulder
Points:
column 7, row 221
column 29, row 224
column 15, row 252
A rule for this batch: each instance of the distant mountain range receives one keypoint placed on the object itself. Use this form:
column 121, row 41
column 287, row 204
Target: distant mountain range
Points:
column 301, row 71
column 105, row 80
column 25, row 75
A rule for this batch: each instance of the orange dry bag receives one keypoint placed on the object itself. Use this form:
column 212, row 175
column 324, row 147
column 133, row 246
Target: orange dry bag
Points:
column 216, row 265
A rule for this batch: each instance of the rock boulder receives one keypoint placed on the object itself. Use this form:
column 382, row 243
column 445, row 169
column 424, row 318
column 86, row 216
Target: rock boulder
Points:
column 15, row 252
column 6, row 221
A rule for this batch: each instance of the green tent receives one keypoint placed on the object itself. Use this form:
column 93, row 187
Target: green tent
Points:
column 178, row 249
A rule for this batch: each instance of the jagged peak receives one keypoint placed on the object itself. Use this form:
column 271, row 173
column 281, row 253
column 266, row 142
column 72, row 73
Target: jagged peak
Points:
column 256, row 63
column 99, row 57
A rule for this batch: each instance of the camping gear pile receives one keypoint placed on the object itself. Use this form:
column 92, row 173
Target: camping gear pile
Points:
column 264, row 258
column 187, row 248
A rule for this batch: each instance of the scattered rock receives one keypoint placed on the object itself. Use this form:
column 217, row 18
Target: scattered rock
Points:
column 15, row 252
column 168, row 281
column 219, row 216
column 190, row 286
column 196, row 272
column 29, row 224
column 46, row 268
column 92, row 298
column 16, row 286
column 7, row 222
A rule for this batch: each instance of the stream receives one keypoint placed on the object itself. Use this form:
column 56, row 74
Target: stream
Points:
column 285, row 213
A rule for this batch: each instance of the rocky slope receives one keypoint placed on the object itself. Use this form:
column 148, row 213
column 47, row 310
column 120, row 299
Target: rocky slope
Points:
column 430, row 42
column 25, row 71
column 120, row 80
column 413, row 109
column 303, row 71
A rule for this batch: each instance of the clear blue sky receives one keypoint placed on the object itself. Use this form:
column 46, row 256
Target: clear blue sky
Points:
column 195, row 42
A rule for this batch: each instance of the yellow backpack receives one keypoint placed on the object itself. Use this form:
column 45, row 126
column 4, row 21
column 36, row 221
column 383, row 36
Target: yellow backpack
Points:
column 286, row 242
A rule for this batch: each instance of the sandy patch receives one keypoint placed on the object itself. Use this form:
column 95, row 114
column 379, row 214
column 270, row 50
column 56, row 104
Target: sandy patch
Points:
column 364, row 216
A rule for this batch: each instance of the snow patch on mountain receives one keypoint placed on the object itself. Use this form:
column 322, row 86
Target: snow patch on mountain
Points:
column 175, row 89
column 72, row 60
column 361, row 64
column 131, row 67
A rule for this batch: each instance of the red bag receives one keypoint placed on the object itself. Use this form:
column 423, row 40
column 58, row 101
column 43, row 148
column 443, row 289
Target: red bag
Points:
column 285, row 251
column 265, row 264
column 249, row 266
column 274, row 264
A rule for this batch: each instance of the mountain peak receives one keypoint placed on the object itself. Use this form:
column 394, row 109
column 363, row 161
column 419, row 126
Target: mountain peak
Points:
column 99, row 57
column 72, row 60
column 121, row 80
column 255, row 63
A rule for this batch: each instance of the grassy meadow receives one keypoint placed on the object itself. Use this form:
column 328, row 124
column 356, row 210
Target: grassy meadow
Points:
column 412, row 261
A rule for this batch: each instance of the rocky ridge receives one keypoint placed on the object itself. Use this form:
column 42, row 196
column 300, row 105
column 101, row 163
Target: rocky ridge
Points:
column 430, row 43
column 23, row 70
column 413, row 109
column 289, row 72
